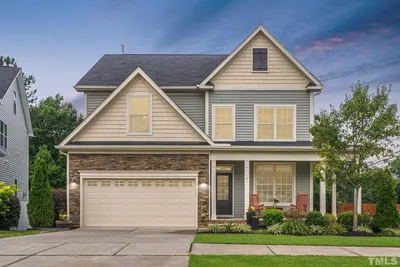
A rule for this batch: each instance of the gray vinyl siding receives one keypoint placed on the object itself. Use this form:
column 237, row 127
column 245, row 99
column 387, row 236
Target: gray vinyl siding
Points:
column 302, row 179
column 245, row 100
column 94, row 99
column 192, row 103
column 14, row 164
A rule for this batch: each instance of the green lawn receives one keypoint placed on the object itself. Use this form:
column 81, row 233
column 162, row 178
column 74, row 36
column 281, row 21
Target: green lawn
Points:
column 19, row 233
column 297, row 240
column 277, row 261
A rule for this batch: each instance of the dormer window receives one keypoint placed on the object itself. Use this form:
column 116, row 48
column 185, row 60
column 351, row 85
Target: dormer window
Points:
column 260, row 59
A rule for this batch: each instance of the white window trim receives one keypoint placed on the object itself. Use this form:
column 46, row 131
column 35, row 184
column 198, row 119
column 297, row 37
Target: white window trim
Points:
column 256, row 106
column 252, row 60
column 128, row 113
column 294, row 194
column 233, row 106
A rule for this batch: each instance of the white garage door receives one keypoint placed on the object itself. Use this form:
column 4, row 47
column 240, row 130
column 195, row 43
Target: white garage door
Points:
column 136, row 202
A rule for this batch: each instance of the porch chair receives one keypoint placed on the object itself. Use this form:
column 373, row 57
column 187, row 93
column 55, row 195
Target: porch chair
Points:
column 254, row 202
column 301, row 202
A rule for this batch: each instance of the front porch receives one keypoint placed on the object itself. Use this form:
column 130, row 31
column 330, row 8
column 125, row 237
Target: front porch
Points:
column 233, row 180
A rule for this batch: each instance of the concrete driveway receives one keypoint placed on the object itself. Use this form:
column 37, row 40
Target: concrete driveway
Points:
column 99, row 247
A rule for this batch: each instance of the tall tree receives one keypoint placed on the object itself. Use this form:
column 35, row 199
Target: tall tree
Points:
column 395, row 169
column 29, row 80
column 355, row 138
column 52, row 120
column 41, row 205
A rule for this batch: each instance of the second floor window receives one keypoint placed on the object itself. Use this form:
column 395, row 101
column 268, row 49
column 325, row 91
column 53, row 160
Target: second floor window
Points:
column 260, row 59
column 3, row 135
column 274, row 123
column 224, row 122
column 139, row 109
column 15, row 103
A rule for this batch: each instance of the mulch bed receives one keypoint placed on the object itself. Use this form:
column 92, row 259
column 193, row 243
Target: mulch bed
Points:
column 352, row 233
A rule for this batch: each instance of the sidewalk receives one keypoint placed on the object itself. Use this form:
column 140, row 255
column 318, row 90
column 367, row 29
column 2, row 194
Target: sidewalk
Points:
column 236, row 249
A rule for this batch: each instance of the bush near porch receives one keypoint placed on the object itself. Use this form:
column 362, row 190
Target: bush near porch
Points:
column 313, row 223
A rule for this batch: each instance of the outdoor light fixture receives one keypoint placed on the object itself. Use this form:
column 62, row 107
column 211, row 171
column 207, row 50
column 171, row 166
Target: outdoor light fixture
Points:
column 73, row 185
column 203, row 181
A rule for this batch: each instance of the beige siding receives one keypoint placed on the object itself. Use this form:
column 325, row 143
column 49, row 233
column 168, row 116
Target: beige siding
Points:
column 111, row 124
column 238, row 73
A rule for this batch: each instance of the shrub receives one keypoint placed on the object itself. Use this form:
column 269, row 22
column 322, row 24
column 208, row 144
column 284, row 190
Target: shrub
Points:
column 60, row 202
column 275, row 229
column 329, row 219
column 11, row 217
column 386, row 214
column 295, row 215
column 215, row 228
column 295, row 228
column 241, row 228
column 346, row 219
column 228, row 226
column 41, row 205
column 335, row 229
column 6, row 191
column 317, row 229
column 363, row 228
column 260, row 231
column 272, row 216
column 315, row 218
column 364, row 219
column 390, row 232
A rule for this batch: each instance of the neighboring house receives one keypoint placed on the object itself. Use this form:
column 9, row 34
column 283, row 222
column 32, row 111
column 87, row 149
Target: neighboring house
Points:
column 182, row 140
column 15, row 129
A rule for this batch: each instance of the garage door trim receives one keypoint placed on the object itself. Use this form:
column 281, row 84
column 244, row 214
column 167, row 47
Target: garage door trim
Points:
column 175, row 175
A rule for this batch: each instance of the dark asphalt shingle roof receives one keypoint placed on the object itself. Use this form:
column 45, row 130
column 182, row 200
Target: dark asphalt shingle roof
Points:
column 7, row 76
column 164, row 69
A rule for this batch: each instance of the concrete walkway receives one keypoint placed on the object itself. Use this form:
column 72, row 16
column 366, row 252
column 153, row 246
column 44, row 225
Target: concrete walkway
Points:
column 235, row 249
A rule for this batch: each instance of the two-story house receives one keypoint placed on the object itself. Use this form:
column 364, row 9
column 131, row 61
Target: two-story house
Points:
column 182, row 140
column 15, row 129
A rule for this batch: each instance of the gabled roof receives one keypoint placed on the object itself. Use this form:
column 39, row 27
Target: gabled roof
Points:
column 314, row 82
column 7, row 76
column 138, row 71
column 164, row 70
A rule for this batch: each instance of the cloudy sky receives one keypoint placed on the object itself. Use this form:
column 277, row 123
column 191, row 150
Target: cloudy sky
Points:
column 340, row 41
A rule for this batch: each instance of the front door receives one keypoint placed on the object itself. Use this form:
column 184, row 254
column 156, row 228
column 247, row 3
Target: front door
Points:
column 224, row 194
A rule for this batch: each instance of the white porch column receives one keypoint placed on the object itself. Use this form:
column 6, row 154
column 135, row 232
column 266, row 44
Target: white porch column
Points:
column 246, row 185
column 322, row 197
column 311, row 194
column 213, row 190
column 334, row 199
column 359, row 203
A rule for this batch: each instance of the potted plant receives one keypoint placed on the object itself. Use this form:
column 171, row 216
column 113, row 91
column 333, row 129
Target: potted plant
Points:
column 276, row 201
column 63, row 221
column 251, row 211
column 255, row 220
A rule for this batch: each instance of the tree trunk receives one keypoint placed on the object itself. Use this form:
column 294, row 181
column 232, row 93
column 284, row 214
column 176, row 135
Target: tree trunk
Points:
column 355, row 220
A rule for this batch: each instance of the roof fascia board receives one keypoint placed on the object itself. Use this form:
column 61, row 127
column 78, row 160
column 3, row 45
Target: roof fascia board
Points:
column 137, row 71
column 24, row 102
column 280, row 47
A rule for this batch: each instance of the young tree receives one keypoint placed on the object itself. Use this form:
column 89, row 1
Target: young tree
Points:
column 52, row 120
column 29, row 80
column 355, row 138
column 41, row 206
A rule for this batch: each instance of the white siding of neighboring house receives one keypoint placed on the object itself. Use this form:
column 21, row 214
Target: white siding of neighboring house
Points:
column 14, row 165
column 111, row 124
column 238, row 73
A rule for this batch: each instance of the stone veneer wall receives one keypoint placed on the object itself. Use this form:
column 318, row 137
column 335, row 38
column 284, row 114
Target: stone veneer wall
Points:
column 140, row 162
